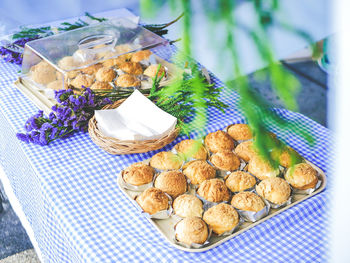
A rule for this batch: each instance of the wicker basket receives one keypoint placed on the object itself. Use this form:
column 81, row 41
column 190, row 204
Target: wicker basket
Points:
column 115, row 146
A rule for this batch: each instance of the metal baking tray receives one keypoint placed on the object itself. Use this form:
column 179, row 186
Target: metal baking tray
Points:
column 166, row 226
column 43, row 102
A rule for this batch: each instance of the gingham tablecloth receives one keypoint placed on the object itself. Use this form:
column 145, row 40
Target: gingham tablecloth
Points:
column 69, row 194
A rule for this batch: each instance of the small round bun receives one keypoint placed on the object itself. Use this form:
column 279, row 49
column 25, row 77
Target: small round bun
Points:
column 43, row 73
column 221, row 218
column 191, row 230
column 261, row 168
column 198, row 171
column 91, row 70
column 132, row 68
column 69, row 75
column 105, row 74
column 247, row 201
column 245, row 150
column 127, row 80
column 67, row 63
column 138, row 174
column 302, row 176
column 240, row 132
column 166, row 161
column 82, row 80
column 239, row 181
column 140, row 55
column 153, row 200
column 171, row 182
column 101, row 85
column 109, row 63
column 225, row 160
column 188, row 206
column 219, row 141
column 192, row 148
column 214, row 190
column 151, row 71
column 123, row 48
column 275, row 189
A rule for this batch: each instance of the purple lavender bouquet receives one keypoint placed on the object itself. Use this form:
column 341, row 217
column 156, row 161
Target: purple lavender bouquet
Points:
column 70, row 115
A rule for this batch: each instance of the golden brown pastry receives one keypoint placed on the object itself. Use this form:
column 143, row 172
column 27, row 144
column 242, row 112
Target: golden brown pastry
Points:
column 240, row 132
column 302, row 176
column 219, row 141
column 101, row 85
column 123, row 48
column 91, row 70
column 67, row 63
column 225, row 160
column 239, row 181
column 127, row 80
column 286, row 157
column 82, row 80
column 140, row 55
column 198, row 171
column 214, row 190
column 245, row 150
column 118, row 50
column 191, row 230
column 274, row 189
column 247, row 201
column 192, row 148
column 261, row 168
column 105, row 74
column 104, row 54
column 138, row 174
column 166, row 161
column 132, row 68
column 171, row 182
column 56, row 85
column 113, row 62
column 153, row 200
column 83, row 57
column 188, row 206
column 151, row 71
column 43, row 73
column 221, row 218
column 68, row 75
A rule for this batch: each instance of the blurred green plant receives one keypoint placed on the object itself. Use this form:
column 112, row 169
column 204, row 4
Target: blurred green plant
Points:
column 255, row 109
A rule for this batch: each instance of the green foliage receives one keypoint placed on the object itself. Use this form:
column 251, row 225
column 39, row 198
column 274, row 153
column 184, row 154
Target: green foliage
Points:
column 185, row 98
column 254, row 108
column 160, row 29
column 27, row 32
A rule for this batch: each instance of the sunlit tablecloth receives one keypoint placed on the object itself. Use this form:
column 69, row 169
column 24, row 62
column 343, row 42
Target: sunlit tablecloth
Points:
column 69, row 194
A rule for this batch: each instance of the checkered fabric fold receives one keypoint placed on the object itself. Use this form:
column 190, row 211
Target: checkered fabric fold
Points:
column 68, row 191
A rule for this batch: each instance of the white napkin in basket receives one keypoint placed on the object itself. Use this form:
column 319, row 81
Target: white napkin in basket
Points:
column 137, row 118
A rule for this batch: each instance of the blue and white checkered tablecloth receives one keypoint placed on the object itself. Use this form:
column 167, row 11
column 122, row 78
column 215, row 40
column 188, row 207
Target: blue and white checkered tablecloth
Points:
column 69, row 194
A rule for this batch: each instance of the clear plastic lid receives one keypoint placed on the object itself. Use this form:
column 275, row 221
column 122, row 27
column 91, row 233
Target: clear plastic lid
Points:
column 89, row 45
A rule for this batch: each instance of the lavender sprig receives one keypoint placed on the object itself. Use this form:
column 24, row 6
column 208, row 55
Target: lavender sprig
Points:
column 13, row 53
column 70, row 115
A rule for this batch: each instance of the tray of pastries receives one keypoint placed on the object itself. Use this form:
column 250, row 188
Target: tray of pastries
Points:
column 201, row 194
column 115, row 55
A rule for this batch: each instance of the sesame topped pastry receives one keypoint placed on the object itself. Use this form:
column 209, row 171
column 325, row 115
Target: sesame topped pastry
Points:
column 219, row 141
column 127, row 80
column 151, row 71
column 133, row 68
column 240, row 132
